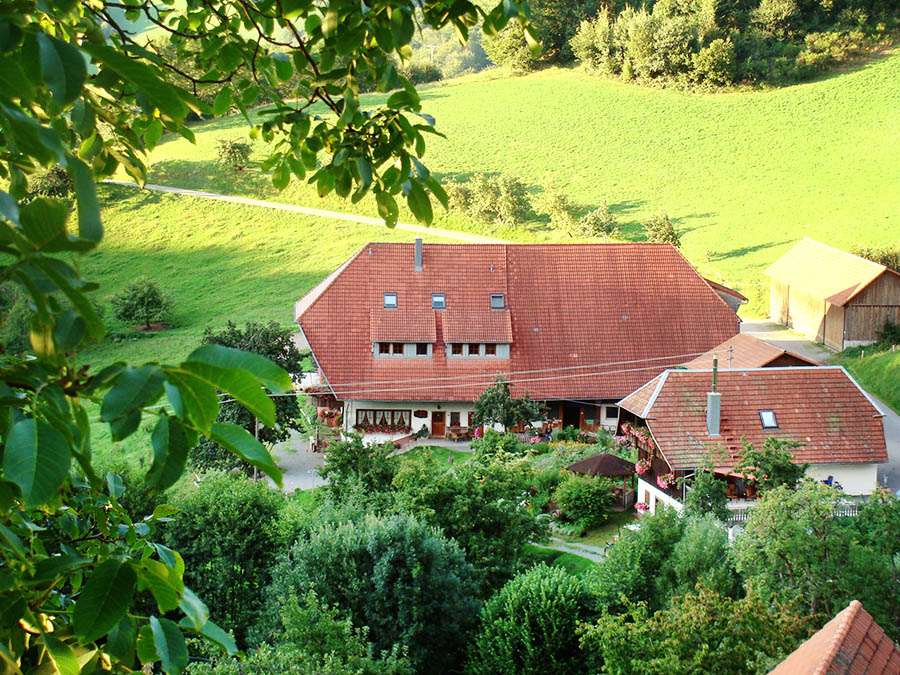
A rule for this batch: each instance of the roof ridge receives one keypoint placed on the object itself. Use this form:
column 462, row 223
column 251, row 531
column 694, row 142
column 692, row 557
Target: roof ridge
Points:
column 840, row 634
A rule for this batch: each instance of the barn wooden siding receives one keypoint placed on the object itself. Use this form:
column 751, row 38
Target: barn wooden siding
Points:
column 866, row 314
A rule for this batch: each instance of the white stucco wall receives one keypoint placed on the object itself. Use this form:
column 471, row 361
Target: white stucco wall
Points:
column 652, row 495
column 350, row 408
column 855, row 479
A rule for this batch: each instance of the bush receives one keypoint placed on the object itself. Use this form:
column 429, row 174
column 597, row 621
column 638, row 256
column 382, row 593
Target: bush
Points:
column 316, row 641
column 15, row 328
column 889, row 334
column 562, row 211
column 530, row 625
column 53, row 182
column 493, row 442
column 458, row 196
column 233, row 152
column 492, row 198
column 715, row 63
column 401, row 578
column 482, row 506
column 584, row 500
column 352, row 463
column 420, row 73
column 142, row 302
column 887, row 256
column 660, row 229
column 598, row 223
column 226, row 530
column 509, row 50
column 592, row 44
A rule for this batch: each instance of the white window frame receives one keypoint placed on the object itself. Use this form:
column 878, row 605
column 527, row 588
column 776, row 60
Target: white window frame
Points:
column 438, row 301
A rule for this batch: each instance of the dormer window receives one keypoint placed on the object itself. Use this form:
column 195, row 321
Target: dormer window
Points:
column 390, row 301
column 498, row 301
column 767, row 417
column 438, row 301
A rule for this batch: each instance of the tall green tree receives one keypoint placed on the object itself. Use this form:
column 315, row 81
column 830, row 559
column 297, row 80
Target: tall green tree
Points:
column 81, row 91
column 771, row 465
column 496, row 405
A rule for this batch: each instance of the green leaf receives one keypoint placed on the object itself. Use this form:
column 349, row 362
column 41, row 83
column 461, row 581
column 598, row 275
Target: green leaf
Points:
column 103, row 600
column 240, row 384
column 534, row 45
column 90, row 227
column 364, row 168
column 222, row 102
column 438, row 192
column 194, row 608
column 238, row 440
column 63, row 67
column 59, row 273
column 146, row 647
column 8, row 207
column 44, row 223
column 330, row 22
column 419, row 203
column 170, row 646
column 134, row 388
column 153, row 133
column 114, row 484
column 197, row 397
column 37, row 459
column 212, row 632
column 10, row 540
column 69, row 330
column 164, row 582
column 273, row 376
column 387, row 208
column 170, row 452
column 123, row 427
column 62, row 655
column 120, row 643
column 281, row 176
column 59, row 565
column 283, row 69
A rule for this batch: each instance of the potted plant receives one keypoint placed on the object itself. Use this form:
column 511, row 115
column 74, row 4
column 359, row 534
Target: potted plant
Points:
column 642, row 466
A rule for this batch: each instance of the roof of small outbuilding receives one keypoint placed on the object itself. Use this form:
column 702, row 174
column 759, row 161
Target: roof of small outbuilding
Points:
column 603, row 464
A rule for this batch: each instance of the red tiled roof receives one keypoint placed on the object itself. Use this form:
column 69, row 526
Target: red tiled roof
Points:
column 402, row 325
column 850, row 644
column 746, row 352
column 825, row 272
column 490, row 325
column 724, row 289
column 823, row 408
column 585, row 320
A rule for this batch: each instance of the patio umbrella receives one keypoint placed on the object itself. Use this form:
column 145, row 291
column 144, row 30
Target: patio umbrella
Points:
column 603, row 464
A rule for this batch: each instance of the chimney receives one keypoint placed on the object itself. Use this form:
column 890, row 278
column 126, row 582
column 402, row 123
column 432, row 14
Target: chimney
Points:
column 418, row 254
column 713, row 403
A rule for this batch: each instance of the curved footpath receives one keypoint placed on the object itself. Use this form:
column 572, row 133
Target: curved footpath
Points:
column 320, row 213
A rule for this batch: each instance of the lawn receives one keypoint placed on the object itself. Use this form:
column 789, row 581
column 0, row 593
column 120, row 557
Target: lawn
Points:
column 442, row 455
column 553, row 558
column 743, row 174
column 601, row 536
column 877, row 372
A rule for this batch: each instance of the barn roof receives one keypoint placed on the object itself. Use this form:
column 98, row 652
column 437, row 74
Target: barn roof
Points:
column 850, row 643
column 584, row 320
column 746, row 351
column 825, row 272
column 822, row 408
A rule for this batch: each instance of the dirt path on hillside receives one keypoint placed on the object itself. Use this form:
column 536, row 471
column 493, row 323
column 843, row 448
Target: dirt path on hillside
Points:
column 319, row 213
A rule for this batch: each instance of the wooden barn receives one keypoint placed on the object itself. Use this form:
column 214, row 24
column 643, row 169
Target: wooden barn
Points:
column 832, row 296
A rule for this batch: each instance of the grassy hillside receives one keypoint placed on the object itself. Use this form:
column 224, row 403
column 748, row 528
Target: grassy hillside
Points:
column 743, row 174
column 877, row 372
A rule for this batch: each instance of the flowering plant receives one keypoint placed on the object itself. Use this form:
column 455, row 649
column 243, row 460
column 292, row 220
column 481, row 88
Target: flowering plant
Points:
column 642, row 466
column 641, row 507
column 666, row 480
column 383, row 428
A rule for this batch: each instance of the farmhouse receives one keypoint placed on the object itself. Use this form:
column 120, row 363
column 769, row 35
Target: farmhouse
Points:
column 831, row 296
column 682, row 420
column 407, row 336
column 746, row 351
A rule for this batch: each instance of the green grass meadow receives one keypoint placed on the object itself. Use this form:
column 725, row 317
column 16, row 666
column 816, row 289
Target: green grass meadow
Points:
column 743, row 174
column 878, row 372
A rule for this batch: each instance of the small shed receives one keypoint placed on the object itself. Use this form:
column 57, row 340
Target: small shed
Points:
column 609, row 466
column 832, row 296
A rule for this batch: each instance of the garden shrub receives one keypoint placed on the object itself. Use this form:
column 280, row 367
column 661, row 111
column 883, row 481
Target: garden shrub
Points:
column 887, row 255
column 503, row 199
column 592, row 44
column 457, row 196
column 226, row 530
column 660, row 229
column 142, row 302
column 584, row 500
column 715, row 63
column 512, row 201
column 598, row 223
column 315, row 640
column 483, row 506
column 233, row 152
column 52, row 182
column 889, row 334
column 420, row 73
column 776, row 16
column 493, row 442
column 530, row 625
column 15, row 328
column 401, row 578
column 562, row 212
column 351, row 463
column 569, row 433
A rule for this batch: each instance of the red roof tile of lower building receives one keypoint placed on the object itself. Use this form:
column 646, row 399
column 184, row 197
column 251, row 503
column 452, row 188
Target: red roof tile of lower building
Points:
column 822, row 408
column 850, row 644
column 742, row 351
column 586, row 320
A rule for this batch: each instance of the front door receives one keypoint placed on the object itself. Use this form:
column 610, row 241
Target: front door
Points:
column 437, row 423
